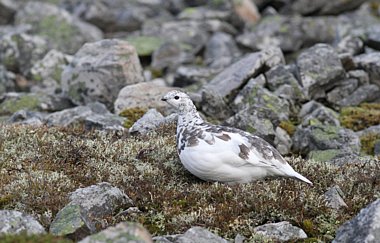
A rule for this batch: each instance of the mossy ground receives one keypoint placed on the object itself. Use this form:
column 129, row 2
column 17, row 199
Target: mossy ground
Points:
column 40, row 166
column 359, row 118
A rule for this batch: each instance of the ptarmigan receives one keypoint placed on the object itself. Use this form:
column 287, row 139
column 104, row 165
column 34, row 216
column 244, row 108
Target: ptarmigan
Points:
column 224, row 154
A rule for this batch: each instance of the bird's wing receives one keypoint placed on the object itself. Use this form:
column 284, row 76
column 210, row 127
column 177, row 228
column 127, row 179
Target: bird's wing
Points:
column 247, row 148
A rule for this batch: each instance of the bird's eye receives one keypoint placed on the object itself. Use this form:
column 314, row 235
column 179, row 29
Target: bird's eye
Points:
column 176, row 97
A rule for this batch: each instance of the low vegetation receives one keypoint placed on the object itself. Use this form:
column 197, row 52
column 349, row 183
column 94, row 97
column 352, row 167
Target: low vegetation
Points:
column 40, row 166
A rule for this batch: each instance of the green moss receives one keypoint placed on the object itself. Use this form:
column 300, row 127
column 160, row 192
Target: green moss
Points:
column 368, row 142
column 324, row 155
column 133, row 114
column 10, row 106
column 145, row 45
column 358, row 118
column 288, row 126
column 37, row 238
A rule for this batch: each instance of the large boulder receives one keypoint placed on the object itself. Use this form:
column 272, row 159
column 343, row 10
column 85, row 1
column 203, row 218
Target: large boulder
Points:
column 15, row 222
column 100, row 70
column 320, row 68
column 63, row 31
column 122, row 232
column 364, row 227
column 370, row 62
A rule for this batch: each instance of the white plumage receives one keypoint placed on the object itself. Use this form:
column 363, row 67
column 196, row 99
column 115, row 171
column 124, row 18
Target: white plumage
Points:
column 224, row 154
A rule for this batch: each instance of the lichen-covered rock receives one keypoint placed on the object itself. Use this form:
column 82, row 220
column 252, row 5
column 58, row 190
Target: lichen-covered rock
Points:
column 12, row 102
column 86, row 207
column 6, row 80
column 282, row 141
column 193, row 75
column 7, row 11
column 46, row 73
column 19, row 51
column 320, row 68
column 365, row 93
column 202, row 12
column 100, row 70
column 149, row 121
column 253, row 121
column 332, row 156
column 342, row 90
column 26, row 117
column 325, row 137
column 92, row 116
column 15, row 222
column 143, row 95
column 282, row 231
column 370, row 62
column 364, row 227
column 350, row 44
column 324, row 7
column 72, row 222
column 63, row 31
column 199, row 235
column 334, row 197
column 314, row 112
column 145, row 45
column 238, row 74
column 220, row 50
column 122, row 232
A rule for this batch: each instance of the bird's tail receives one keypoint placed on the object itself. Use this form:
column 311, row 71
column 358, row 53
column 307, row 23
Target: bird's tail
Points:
column 301, row 178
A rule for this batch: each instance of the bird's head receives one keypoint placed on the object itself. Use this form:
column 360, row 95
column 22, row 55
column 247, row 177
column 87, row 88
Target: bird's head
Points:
column 179, row 100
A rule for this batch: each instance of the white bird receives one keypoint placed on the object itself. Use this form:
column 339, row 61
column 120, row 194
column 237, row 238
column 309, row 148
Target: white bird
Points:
column 223, row 154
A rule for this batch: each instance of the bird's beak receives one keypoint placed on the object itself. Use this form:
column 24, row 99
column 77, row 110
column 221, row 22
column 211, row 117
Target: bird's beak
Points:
column 164, row 99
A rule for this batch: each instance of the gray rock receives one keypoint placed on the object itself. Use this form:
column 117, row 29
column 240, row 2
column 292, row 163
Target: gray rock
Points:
column 350, row 44
column 100, row 70
column 370, row 62
column 324, row 7
column 253, row 121
column 221, row 50
column 26, row 117
column 72, row 222
column 202, row 12
column 92, row 116
column 199, row 235
column 197, row 75
column 361, row 75
column 170, row 55
column 282, row 231
column 364, row 227
column 63, row 31
column 376, row 148
column 87, row 206
column 7, row 11
column 282, row 141
column 320, row 68
column 12, row 102
column 214, row 105
column 143, row 95
column 15, row 222
column 46, row 73
column 365, row 93
column 290, row 33
column 315, row 113
column 373, row 38
column 122, row 232
column 282, row 81
column 342, row 91
column 6, row 80
column 149, row 121
column 325, row 137
column 238, row 74
column 19, row 51
column 370, row 130
column 334, row 197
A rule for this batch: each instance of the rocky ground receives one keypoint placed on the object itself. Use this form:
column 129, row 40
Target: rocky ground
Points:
column 87, row 150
